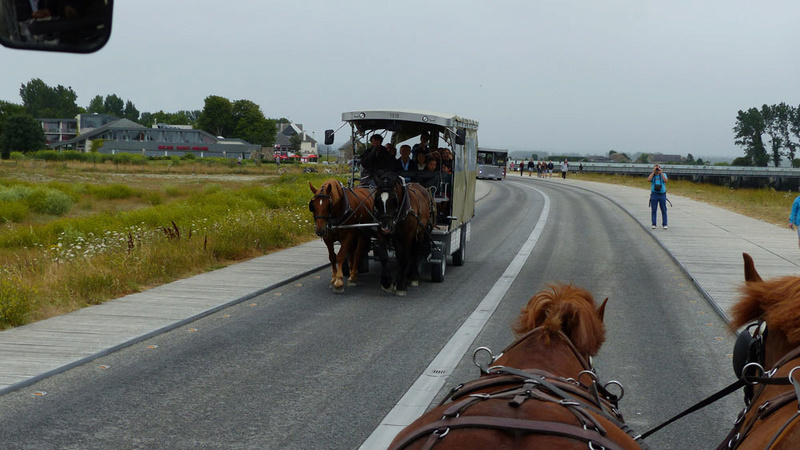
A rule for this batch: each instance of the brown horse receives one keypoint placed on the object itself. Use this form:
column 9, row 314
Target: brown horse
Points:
column 333, row 205
column 771, row 419
column 541, row 393
column 406, row 214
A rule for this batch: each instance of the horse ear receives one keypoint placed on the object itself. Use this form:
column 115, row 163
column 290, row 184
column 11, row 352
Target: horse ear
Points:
column 313, row 189
column 601, row 311
column 750, row 273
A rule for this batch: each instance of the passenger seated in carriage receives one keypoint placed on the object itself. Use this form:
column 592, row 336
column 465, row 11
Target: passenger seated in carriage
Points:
column 420, row 160
column 405, row 166
column 375, row 159
column 432, row 162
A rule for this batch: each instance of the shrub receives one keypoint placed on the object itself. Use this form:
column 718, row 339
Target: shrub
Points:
column 111, row 191
column 15, row 303
column 13, row 211
column 188, row 156
column 212, row 188
column 47, row 155
column 49, row 201
column 15, row 193
column 17, row 156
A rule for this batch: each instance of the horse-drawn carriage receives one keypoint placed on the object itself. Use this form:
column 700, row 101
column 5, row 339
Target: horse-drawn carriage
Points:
column 441, row 228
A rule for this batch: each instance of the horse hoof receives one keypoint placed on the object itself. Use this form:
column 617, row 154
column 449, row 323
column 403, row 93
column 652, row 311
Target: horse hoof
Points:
column 351, row 283
column 339, row 290
column 389, row 289
column 413, row 283
column 400, row 293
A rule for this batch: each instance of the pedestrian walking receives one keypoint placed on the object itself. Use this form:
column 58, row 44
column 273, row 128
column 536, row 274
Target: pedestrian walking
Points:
column 564, row 169
column 550, row 167
column 658, row 196
column 531, row 165
column 794, row 218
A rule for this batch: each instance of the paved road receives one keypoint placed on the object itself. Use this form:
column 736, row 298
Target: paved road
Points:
column 283, row 332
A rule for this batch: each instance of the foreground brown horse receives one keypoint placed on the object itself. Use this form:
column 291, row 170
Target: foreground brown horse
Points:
column 334, row 205
column 772, row 419
column 541, row 393
column 406, row 214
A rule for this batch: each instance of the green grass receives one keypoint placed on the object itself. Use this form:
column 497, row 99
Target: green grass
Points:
column 105, row 254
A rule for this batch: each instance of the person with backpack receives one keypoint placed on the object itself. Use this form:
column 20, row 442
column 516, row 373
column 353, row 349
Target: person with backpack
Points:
column 658, row 196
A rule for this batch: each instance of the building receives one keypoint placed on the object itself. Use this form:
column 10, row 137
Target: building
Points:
column 658, row 158
column 58, row 130
column 108, row 134
column 283, row 140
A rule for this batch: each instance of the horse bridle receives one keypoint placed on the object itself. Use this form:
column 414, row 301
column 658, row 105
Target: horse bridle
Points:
column 517, row 386
column 403, row 206
column 750, row 348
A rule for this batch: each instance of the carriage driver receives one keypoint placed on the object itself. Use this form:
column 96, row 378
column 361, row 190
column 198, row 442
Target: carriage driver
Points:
column 375, row 159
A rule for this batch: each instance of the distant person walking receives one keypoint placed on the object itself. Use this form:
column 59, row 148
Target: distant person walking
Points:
column 550, row 167
column 658, row 196
column 794, row 218
column 564, row 169
column 531, row 165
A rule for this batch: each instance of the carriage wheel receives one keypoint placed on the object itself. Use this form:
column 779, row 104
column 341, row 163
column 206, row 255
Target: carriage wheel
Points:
column 460, row 255
column 437, row 270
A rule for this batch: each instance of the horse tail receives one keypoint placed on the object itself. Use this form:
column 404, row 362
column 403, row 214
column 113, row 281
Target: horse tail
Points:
column 568, row 309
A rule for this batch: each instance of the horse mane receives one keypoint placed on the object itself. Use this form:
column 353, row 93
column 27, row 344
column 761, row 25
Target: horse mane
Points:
column 565, row 308
column 777, row 301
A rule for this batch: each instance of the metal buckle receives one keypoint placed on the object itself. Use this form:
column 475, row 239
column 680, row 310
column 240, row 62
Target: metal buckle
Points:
column 615, row 383
column 744, row 372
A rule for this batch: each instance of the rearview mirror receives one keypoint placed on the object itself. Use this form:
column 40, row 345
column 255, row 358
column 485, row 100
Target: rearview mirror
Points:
column 461, row 136
column 76, row 27
column 329, row 137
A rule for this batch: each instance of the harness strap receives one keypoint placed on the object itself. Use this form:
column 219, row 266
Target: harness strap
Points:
column 702, row 404
column 440, row 428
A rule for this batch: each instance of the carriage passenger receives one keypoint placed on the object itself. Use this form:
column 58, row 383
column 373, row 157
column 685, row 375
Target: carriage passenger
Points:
column 432, row 163
column 447, row 160
column 420, row 159
column 422, row 146
column 405, row 166
column 375, row 159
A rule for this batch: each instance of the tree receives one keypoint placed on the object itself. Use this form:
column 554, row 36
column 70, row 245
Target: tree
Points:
column 22, row 133
column 690, row 158
column 749, row 128
column 742, row 161
column 769, row 113
column 8, row 109
column 611, row 152
column 217, row 116
column 643, row 158
column 251, row 125
column 96, row 105
column 131, row 113
column 114, row 105
column 43, row 101
column 295, row 142
column 534, row 156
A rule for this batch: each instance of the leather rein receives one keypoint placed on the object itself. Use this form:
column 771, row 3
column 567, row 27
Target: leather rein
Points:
column 584, row 401
column 349, row 212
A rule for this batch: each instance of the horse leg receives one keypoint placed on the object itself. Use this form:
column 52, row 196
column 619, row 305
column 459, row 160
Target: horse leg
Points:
column 383, row 256
column 346, row 240
column 402, row 253
column 355, row 258
column 413, row 263
column 332, row 258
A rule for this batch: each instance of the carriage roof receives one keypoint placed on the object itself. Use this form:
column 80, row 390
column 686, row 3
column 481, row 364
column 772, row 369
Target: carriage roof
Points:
column 385, row 118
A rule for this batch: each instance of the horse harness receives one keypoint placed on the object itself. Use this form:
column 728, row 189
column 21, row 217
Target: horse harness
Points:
column 404, row 208
column 584, row 401
column 334, row 222
column 748, row 356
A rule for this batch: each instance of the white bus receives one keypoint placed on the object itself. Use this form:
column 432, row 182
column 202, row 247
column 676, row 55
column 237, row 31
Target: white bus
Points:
column 492, row 163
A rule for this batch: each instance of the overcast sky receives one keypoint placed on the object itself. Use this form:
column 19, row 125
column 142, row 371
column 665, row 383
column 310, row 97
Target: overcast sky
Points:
column 583, row 76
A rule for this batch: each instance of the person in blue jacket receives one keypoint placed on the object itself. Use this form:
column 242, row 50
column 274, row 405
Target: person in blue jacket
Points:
column 794, row 218
column 658, row 196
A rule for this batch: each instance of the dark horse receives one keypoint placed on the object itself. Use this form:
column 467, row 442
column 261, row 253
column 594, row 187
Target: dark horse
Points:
column 406, row 214
column 772, row 416
column 541, row 393
column 333, row 205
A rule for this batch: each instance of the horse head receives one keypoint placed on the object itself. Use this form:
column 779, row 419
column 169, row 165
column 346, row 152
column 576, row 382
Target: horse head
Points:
column 776, row 302
column 322, row 205
column 389, row 201
column 567, row 309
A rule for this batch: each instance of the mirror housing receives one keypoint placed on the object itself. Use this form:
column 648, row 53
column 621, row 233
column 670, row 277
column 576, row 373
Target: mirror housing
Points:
column 329, row 137
column 461, row 136
column 78, row 27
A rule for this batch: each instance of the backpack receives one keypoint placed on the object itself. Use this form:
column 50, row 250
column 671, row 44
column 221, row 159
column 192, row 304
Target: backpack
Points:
column 658, row 183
